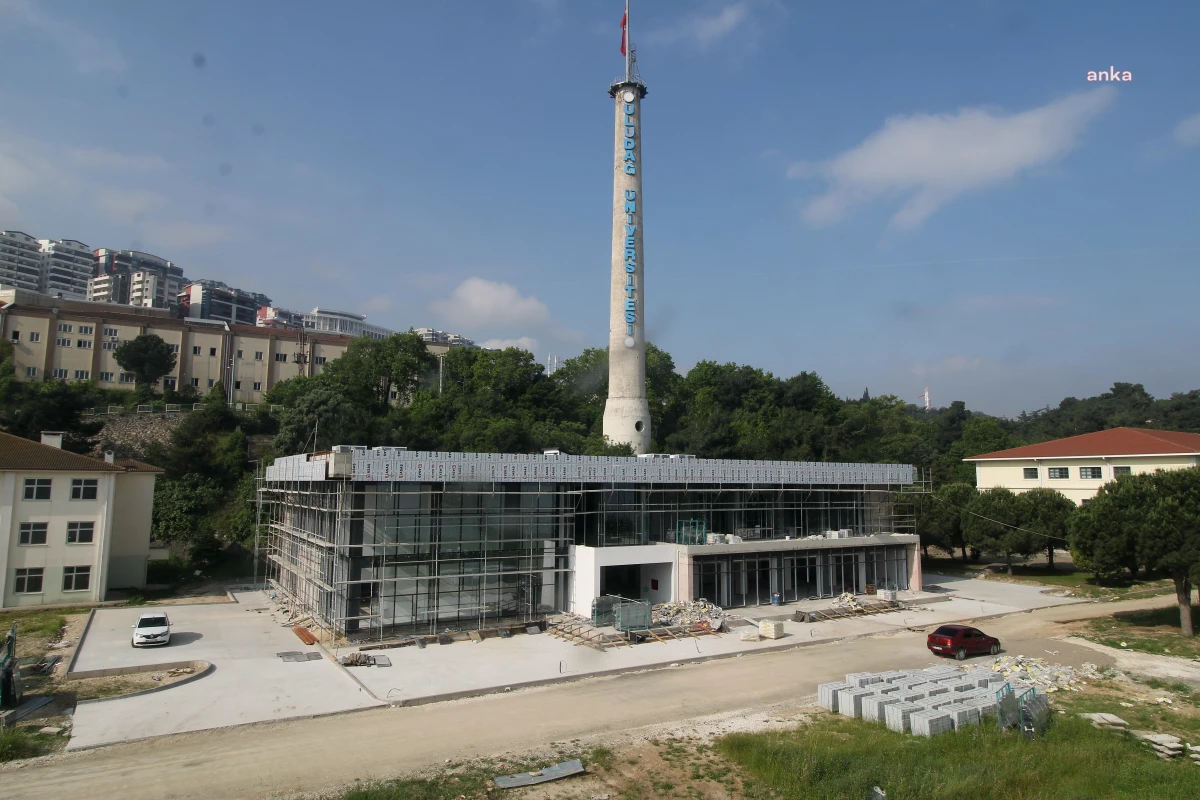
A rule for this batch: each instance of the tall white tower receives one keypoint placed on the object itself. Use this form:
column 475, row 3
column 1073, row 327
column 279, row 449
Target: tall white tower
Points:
column 627, row 414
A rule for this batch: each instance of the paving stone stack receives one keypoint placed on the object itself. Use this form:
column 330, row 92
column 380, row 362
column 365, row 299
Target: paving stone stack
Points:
column 897, row 716
column 873, row 707
column 850, row 701
column 827, row 694
column 930, row 722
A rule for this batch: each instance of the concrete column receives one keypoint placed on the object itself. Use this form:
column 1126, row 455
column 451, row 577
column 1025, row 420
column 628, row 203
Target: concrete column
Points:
column 914, row 567
column 627, row 414
column 683, row 586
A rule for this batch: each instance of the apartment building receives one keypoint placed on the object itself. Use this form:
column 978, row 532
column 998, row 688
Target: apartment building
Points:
column 1079, row 465
column 434, row 336
column 71, row 527
column 131, row 277
column 66, row 268
column 214, row 300
column 20, row 261
column 56, row 338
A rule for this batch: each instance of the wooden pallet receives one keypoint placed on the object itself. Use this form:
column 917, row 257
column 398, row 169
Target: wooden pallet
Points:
column 863, row 610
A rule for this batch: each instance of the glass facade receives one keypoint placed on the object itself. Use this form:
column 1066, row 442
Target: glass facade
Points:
column 749, row 579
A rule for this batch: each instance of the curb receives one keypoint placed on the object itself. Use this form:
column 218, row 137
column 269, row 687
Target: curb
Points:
column 87, row 626
column 133, row 670
column 208, row 670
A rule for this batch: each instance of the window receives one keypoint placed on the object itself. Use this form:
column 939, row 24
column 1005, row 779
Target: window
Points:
column 1031, row 473
column 29, row 581
column 258, row 386
column 87, row 329
column 106, row 377
column 210, row 383
column 60, row 373
column 31, row 372
column 80, row 532
column 33, row 533
column 1121, row 471
column 84, row 488
column 1090, row 473
column 319, row 360
column 258, row 355
column 15, row 336
column 169, row 383
column 64, row 327
column 239, row 353
column 83, row 344
column 1059, row 473
column 82, row 374
column 110, row 331
column 34, row 336
column 196, row 350
column 175, row 349
column 212, row 351
column 1085, row 501
column 281, row 356
column 109, row 345
column 60, row 342
column 37, row 488
column 125, row 377
column 196, row 382
column 237, row 384
column 76, row 579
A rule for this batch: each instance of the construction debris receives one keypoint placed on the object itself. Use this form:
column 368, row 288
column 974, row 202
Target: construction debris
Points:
column 687, row 612
column 364, row 660
column 1044, row 675
column 304, row 634
column 551, row 773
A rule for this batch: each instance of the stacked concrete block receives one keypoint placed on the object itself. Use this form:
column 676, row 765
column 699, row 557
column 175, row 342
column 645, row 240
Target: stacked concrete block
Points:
column 861, row 679
column 930, row 723
column 940, row 701
column 850, row 701
column 886, row 688
column 963, row 715
column 873, row 707
column 937, row 689
column 912, row 696
column 897, row 716
column 962, row 687
column 770, row 629
column 827, row 694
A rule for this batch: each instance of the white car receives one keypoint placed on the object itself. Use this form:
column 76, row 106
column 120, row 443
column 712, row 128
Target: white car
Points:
column 152, row 628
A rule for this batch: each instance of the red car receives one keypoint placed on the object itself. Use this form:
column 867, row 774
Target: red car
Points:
column 961, row 641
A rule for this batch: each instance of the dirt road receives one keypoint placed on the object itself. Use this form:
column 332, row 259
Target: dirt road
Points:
column 314, row 754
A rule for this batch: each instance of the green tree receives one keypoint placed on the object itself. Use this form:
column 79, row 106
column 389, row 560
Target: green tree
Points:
column 181, row 507
column 147, row 357
column 1104, row 534
column 1172, row 543
column 979, row 435
column 320, row 419
column 1049, row 512
column 993, row 522
column 371, row 371
column 941, row 519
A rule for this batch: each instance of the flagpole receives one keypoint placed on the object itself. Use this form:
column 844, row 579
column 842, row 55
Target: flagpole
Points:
column 628, row 46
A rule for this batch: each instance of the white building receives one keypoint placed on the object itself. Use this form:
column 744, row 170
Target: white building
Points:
column 66, row 268
column 326, row 320
column 434, row 336
column 1079, row 465
column 71, row 527
column 20, row 261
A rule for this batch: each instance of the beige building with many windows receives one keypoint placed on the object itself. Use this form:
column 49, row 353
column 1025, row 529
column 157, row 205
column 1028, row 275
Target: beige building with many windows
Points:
column 1079, row 465
column 71, row 527
column 72, row 340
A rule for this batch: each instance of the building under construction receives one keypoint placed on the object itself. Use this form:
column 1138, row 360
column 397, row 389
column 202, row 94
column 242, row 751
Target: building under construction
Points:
column 385, row 541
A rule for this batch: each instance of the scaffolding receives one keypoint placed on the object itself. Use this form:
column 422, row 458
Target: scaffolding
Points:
column 373, row 559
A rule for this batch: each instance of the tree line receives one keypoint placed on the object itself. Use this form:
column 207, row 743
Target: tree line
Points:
column 393, row 392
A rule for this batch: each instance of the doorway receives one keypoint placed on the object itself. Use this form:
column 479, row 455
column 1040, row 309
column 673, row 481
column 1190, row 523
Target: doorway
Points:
column 622, row 580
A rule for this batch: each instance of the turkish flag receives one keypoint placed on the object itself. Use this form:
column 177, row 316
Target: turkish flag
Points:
column 623, row 33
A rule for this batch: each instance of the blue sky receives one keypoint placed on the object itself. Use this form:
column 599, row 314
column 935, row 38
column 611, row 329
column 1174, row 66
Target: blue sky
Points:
column 889, row 194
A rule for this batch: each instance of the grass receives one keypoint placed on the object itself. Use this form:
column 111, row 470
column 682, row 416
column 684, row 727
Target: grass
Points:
column 1147, row 715
column 19, row 743
column 844, row 758
column 471, row 782
column 1063, row 576
column 1154, row 630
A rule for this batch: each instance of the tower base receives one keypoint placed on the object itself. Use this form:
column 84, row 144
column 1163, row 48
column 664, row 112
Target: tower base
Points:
column 627, row 421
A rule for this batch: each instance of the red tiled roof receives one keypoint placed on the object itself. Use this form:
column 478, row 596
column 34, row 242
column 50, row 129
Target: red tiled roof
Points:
column 17, row 453
column 1113, row 442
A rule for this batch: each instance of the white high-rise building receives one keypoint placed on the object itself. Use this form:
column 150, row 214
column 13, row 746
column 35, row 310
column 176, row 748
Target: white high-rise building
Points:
column 66, row 268
column 20, row 261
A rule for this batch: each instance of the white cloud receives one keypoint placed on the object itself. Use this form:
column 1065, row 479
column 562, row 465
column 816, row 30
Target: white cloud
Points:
column 947, row 365
column 703, row 30
column 935, row 158
column 107, row 159
column 90, row 53
column 480, row 302
column 523, row 343
column 1187, row 132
